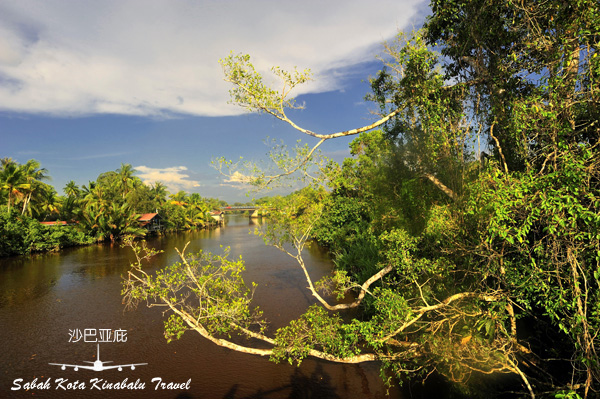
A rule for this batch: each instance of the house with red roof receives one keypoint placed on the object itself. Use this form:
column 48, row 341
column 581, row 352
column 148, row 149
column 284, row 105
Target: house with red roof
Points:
column 218, row 216
column 150, row 221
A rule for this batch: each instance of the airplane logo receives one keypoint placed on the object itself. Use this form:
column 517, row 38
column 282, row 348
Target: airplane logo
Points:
column 98, row 365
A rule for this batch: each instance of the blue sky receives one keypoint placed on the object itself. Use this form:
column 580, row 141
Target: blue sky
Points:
column 88, row 85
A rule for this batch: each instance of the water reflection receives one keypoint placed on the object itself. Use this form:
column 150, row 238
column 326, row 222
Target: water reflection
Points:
column 43, row 297
column 22, row 279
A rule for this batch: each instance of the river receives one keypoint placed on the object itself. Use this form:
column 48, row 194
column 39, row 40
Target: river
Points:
column 55, row 307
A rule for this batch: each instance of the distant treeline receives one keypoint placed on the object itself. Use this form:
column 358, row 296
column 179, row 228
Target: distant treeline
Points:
column 105, row 209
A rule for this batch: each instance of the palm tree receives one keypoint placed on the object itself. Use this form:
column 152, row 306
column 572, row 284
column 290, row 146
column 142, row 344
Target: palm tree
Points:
column 33, row 175
column 180, row 197
column 86, row 190
column 125, row 173
column 5, row 161
column 47, row 202
column 13, row 180
column 196, row 211
column 112, row 222
column 195, row 199
column 71, row 189
column 96, row 198
column 69, row 208
column 159, row 192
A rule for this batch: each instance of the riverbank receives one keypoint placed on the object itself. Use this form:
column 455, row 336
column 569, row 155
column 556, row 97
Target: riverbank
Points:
column 22, row 235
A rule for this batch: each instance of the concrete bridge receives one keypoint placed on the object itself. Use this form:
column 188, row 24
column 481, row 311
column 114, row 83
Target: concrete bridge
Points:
column 252, row 209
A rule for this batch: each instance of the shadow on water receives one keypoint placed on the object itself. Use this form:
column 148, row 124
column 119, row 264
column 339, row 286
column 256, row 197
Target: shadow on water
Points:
column 317, row 385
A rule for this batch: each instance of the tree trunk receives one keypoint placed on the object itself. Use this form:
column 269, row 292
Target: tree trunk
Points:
column 445, row 189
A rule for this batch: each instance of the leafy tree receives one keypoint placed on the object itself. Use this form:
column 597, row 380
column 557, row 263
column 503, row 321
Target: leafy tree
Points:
column 47, row 204
column 25, row 187
column 14, row 181
column 401, row 283
column 12, row 234
column 253, row 94
column 186, row 212
column 97, row 198
column 196, row 211
column 21, row 235
column 106, row 209
column 473, row 246
column 69, row 208
column 104, row 214
column 181, row 196
column 431, row 128
column 33, row 176
column 224, row 297
column 125, row 179
column 71, row 189
column 159, row 193
column 536, row 69
column 141, row 199
column 110, row 221
column 174, row 215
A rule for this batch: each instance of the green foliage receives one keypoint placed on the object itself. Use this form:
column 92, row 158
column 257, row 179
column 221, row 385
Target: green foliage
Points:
column 567, row 395
column 24, row 187
column 190, row 213
column 204, row 291
column 13, row 180
column 51, row 238
column 546, row 228
column 471, row 214
column 292, row 218
column 12, row 234
column 432, row 129
column 358, row 255
column 343, row 219
column 21, row 235
column 285, row 166
column 110, row 221
column 315, row 329
column 110, row 206
column 250, row 91
column 105, row 209
column 174, row 327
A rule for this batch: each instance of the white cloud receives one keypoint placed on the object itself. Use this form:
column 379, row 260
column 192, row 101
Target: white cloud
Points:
column 238, row 177
column 237, row 180
column 172, row 177
column 237, row 186
column 156, row 57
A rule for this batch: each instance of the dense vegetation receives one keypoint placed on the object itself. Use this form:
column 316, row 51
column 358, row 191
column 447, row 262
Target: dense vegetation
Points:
column 484, row 196
column 105, row 209
column 467, row 228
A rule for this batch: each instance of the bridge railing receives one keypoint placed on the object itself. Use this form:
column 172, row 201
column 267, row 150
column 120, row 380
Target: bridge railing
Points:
column 239, row 208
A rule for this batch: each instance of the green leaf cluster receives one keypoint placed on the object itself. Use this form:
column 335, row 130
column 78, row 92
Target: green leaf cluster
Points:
column 315, row 329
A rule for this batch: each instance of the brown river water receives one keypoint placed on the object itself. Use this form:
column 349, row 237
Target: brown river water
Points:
column 55, row 307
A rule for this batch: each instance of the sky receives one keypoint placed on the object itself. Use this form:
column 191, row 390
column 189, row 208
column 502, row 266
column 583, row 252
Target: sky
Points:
column 88, row 85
